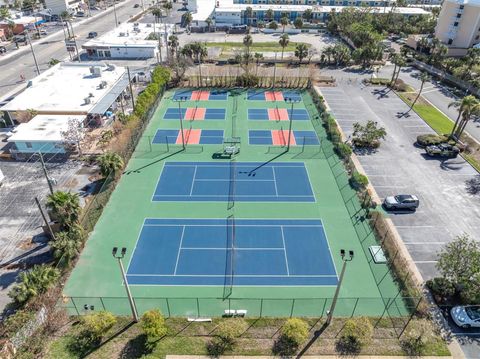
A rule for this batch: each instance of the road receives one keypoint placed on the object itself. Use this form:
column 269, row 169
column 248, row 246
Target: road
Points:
column 54, row 46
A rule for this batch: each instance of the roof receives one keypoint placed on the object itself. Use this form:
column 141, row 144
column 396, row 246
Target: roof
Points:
column 64, row 88
column 129, row 35
column 204, row 10
column 42, row 128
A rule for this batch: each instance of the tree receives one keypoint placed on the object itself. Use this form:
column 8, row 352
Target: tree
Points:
column 467, row 106
column 227, row 332
column 209, row 22
column 283, row 42
column 74, row 134
column 187, row 19
column 295, row 331
column 258, row 56
column 249, row 14
column 269, row 15
column 168, row 6
column 356, row 333
column 298, row 23
column 284, row 22
column 424, row 77
column 173, row 44
column 416, row 336
column 53, row 62
column 179, row 65
column 153, row 325
column 368, row 135
column 4, row 13
column 97, row 324
column 247, row 42
column 199, row 50
column 307, row 14
column 301, row 52
column 399, row 62
column 110, row 163
column 273, row 25
column 64, row 207
column 157, row 13
column 66, row 246
column 33, row 282
column 459, row 260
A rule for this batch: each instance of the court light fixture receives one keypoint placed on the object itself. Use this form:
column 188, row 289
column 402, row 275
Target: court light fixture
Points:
column 125, row 281
column 291, row 101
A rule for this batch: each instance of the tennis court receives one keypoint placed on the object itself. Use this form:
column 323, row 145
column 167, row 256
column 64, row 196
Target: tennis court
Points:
column 250, row 252
column 262, row 95
column 195, row 113
column 201, row 95
column 280, row 137
column 190, row 136
column 243, row 181
column 276, row 114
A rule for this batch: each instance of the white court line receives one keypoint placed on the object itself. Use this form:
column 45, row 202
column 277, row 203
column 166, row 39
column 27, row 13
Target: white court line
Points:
column 237, row 195
column 237, row 180
column 193, row 180
column 275, row 181
column 236, row 275
column 285, row 251
column 236, row 248
column 236, row 225
column 179, row 249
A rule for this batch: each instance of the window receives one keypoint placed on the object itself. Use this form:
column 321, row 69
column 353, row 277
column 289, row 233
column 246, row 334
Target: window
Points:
column 28, row 144
column 459, row 16
column 450, row 41
column 455, row 23
column 477, row 37
column 461, row 7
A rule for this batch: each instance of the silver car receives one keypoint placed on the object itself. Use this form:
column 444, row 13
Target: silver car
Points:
column 466, row 316
column 402, row 201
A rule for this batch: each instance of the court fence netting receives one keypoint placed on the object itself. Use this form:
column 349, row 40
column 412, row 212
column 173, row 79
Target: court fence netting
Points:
column 370, row 225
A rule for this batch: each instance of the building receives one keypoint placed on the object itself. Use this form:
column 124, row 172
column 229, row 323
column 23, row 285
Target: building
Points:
column 458, row 25
column 318, row 2
column 18, row 23
column 43, row 133
column 59, row 6
column 79, row 89
column 129, row 41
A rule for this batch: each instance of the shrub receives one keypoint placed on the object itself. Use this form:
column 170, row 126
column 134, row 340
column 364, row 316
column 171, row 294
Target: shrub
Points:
column 247, row 80
column 34, row 282
column 358, row 181
column 441, row 288
column 343, row 150
column 416, row 337
column 356, row 333
column 228, row 330
column 153, row 324
column 368, row 135
column 97, row 324
column 430, row 139
column 295, row 330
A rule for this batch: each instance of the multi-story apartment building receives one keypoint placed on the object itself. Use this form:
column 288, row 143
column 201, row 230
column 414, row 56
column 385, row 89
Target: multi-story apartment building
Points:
column 458, row 25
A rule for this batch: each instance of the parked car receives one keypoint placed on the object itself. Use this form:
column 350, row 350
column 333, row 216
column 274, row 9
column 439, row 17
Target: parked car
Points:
column 136, row 6
column 466, row 316
column 43, row 32
column 20, row 39
column 3, row 49
column 92, row 34
column 80, row 14
column 442, row 150
column 401, row 201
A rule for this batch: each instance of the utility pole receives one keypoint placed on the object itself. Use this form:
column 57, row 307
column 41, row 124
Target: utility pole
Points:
column 46, row 173
column 125, row 282
column 339, row 284
column 47, row 223
column 180, row 100
column 75, row 41
column 130, row 85
column 115, row 13
column 33, row 52
column 291, row 101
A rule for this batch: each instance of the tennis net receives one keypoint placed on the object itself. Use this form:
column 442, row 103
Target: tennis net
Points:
column 229, row 257
column 231, row 184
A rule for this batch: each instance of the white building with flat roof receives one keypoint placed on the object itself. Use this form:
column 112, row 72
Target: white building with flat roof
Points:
column 78, row 88
column 130, row 41
column 59, row 6
column 43, row 133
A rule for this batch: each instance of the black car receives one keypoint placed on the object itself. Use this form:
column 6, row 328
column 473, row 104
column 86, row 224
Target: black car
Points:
column 136, row 6
column 92, row 34
column 3, row 49
column 442, row 150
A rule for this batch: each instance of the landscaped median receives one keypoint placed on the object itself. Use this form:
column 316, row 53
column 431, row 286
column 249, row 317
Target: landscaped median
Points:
column 441, row 124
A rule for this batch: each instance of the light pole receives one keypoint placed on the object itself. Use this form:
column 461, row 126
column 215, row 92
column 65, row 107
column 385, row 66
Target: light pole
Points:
column 342, row 273
column 33, row 52
column 292, row 102
column 179, row 101
column 115, row 13
column 125, row 282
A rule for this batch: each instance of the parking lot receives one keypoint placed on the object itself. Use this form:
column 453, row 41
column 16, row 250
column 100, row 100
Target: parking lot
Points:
column 448, row 206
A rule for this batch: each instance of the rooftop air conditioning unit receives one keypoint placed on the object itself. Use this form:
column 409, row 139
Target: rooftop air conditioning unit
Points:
column 87, row 100
column 96, row 71
column 149, row 25
column 122, row 34
column 110, row 67
column 135, row 24
column 103, row 84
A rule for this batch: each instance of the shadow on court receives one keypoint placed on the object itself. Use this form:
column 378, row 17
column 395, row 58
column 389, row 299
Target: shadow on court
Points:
column 137, row 170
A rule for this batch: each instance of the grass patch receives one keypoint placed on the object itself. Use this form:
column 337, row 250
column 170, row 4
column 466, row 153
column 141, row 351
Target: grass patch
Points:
column 269, row 46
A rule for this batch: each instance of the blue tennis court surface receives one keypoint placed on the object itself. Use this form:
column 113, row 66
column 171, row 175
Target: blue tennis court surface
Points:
column 172, row 113
column 194, row 95
column 263, row 252
column 207, row 137
column 266, row 95
column 264, row 137
column 263, row 114
column 242, row 181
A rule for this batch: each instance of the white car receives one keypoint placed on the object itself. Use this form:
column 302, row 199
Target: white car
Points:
column 466, row 316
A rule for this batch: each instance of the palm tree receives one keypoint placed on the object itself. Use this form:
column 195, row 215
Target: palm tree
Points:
column 65, row 247
column 173, row 44
column 283, row 42
column 34, row 282
column 4, row 13
column 284, row 22
column 269, row 14
column 399, row 62
column 328, row 52
column 247, row 42
column 157, row 13
column 307, row 14
column 424, row 77
column 248, row 14
column 258, row 56
column 298, row 23
column 472, row 58
column 273, row 25
column 110, row 163
column 301, row 51
column 209, row 22
column 187, row 19
column 467, row 106
column 199, row 50
column 168, row 6
column 64, row 207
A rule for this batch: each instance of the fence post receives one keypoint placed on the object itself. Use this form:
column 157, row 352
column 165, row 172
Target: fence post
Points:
column 74, row 305
column 198, row 308
column 410, row 317
column 355, row 307
column 293, row 306
column 383, row 313
column 103, row 304
column 168, row 307
column 261, row 307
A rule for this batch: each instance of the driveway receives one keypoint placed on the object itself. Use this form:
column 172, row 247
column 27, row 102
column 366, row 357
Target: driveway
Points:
column 447, row 207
